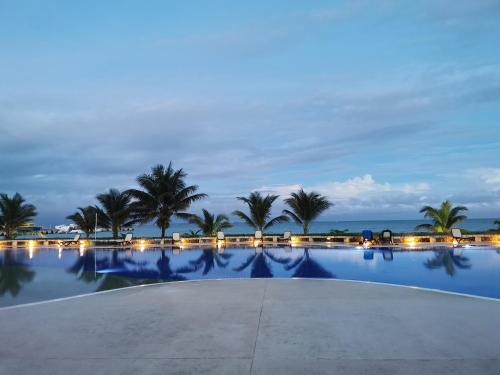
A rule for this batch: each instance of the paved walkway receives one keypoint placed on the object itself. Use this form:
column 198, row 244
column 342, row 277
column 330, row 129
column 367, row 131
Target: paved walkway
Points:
column 254, row 327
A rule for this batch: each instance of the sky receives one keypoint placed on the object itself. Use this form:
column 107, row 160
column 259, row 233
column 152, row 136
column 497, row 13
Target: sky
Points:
column 383, row 106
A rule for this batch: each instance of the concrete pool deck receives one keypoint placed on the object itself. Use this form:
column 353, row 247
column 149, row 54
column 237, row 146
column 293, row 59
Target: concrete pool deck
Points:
column 259, row 326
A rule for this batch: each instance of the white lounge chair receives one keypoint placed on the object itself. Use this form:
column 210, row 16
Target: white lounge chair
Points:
column 176, row 237
column 386, row 237
column 457, row 235
column 75, row 241
column 127, row 240
column 258, row 235
column 220, row 236
column 287, row 237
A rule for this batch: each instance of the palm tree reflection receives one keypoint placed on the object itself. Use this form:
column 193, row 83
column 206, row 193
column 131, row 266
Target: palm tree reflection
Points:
column 448, row 260
column 307, row 267
column 208, row 260
column 261, row 266
column 13, row 274
column 85, row 267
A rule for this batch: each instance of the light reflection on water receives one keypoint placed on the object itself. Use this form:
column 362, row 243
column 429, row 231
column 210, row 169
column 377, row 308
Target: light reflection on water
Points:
column 34, row 274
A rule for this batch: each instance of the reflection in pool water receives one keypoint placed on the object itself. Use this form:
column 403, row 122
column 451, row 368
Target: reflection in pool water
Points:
column 43, row 273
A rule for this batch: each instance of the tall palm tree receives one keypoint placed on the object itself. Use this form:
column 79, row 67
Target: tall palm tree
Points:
column 116, row 210
column 260, row 211
column 210, row 224
column 14, row 212
column 304, row 207
column 164, row 194
column 87, row 218
column 444, row 217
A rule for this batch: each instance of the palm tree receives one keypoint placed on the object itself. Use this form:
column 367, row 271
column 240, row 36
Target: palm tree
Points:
column 164, row 195
column 86, row 218
column 306, row 207
column 260, row 211
column 14, row 212
column 116, row 210
column 210, row 224
column 444, row 217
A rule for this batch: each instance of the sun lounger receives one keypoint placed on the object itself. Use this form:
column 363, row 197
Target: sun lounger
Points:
column 458, row 236
column 75, row 241
column 287, row 237
column 176, row 237
column 220, row 236
column 258, row 235
column 127, row 240
column 367, row 236
column 386, row 237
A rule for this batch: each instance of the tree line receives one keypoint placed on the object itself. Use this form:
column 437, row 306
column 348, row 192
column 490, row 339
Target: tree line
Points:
column 164, row 194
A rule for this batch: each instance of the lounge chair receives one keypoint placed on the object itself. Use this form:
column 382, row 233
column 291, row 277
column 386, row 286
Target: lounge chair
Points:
column 220, row 236
column 287, row 237
column 176, row 237
column 127, row 240
column 458, row 236
column 386, row 237
column 258, row 237
column 366, row 236
column 75, row 241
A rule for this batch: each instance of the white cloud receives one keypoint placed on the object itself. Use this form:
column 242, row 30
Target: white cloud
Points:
column 490, row 176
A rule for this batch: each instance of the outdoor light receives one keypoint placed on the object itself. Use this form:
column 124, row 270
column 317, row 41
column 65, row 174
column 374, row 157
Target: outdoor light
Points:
column 59, row 252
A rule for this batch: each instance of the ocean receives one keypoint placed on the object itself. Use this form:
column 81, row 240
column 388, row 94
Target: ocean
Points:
column 397, row 226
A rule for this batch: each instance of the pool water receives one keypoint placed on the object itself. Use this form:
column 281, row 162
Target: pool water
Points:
column 46, row 273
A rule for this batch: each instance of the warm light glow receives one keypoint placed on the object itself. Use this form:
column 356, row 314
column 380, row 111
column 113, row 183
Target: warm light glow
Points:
column 328, row 238
column 82, row 248
column 257, row 243
column 411, row 240
column 31, row 248
column 59, row 251
column 455, row 243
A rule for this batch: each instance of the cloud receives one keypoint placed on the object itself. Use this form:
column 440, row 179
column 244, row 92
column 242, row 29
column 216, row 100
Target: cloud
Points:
column 489, row 176
column 362, row 194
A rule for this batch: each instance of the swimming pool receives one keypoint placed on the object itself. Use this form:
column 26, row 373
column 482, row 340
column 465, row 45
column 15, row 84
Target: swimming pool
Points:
column 48, row 273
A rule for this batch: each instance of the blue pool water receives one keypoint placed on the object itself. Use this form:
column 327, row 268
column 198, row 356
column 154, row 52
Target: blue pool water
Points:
column 48, row 273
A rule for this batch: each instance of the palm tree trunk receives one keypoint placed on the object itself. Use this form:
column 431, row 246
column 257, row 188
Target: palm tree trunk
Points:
column 305, row 226
column 163, row 231
column 115, row 231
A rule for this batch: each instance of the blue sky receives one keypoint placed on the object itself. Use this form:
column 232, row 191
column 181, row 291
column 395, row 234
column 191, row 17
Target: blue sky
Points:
column 383, row 106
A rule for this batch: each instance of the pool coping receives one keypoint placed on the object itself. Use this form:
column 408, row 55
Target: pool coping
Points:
column 414, row 287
